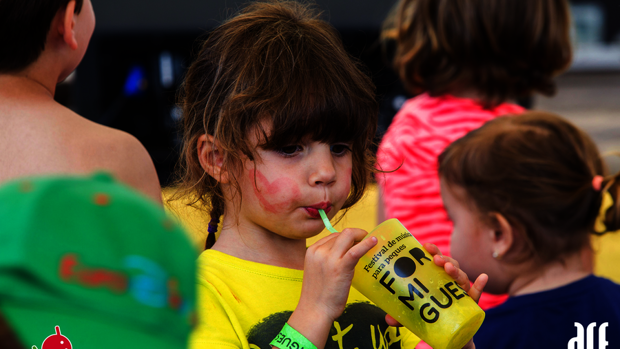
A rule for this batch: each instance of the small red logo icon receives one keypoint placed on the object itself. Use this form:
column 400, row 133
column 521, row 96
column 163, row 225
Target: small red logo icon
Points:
column 55, row 341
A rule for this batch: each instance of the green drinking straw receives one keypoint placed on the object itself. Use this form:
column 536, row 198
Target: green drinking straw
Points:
column 328, row 225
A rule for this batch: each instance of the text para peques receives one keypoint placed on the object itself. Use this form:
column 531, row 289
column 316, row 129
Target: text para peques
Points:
column 380, row 260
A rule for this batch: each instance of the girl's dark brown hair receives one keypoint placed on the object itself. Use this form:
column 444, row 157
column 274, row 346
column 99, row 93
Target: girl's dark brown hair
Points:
column 536, row 169
column 501, row 49
column 275, row 61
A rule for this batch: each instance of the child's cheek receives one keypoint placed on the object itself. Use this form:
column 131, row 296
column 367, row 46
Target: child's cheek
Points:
column 348, row 180
column 275, row 196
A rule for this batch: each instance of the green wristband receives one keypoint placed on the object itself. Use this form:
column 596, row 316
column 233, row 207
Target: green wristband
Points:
column 289, row 338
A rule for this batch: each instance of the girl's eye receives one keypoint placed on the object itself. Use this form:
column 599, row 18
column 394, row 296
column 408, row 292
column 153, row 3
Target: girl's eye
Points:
column 289, row 150
column 340, row 149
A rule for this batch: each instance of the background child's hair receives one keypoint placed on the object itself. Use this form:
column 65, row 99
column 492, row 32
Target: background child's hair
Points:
column 535, row 169
column 276, row 62
column 24, row 26
column 500, row 49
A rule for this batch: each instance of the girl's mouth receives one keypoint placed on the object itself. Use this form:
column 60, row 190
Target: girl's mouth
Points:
column 313, row 211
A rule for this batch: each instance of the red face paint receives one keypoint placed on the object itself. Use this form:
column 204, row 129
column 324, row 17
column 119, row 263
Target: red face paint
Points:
column 269, row 193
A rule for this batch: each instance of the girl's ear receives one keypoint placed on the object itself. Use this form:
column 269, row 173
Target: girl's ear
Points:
column 67, row 25
column 211, row 158
column 502, row 235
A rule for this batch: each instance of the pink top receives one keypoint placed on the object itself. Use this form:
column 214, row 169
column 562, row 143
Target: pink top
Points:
column 420, row 131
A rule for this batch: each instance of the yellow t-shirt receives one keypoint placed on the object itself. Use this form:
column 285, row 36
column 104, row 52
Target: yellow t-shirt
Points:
column 244, row 304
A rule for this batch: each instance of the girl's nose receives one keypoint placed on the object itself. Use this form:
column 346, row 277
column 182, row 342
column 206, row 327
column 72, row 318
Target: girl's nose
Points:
column 323, row 170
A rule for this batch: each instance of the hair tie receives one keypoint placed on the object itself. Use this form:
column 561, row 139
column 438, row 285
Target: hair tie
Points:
column 597, row 181
column 212, row 228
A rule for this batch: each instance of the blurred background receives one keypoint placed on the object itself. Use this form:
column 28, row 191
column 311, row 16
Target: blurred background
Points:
column 141, row 48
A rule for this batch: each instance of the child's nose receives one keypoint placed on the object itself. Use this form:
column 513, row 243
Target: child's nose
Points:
column 323, row 170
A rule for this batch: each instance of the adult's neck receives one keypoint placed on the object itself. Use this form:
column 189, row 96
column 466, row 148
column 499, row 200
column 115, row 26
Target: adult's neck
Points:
column 550, row 276
column 256, row 244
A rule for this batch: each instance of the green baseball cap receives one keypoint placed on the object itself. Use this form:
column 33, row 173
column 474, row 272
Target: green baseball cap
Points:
column 91, row 263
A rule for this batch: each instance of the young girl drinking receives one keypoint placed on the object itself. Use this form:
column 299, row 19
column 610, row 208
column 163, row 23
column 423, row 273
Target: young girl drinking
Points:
column 467, row 61
column 524, row 194
column 278, row 121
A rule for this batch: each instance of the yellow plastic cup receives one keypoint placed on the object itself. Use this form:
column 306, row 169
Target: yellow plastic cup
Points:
column 399, row 276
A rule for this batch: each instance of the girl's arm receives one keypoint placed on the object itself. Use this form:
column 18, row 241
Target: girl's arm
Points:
column 328, row 273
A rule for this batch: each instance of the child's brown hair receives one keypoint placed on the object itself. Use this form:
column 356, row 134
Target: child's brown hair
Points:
column 537, row 170
column 275, row 61
column 501, row 49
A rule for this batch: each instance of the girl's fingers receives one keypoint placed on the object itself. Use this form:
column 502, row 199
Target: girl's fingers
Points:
column 439, row 258
column 458, row 275
column 356, row 252
column 476, row 289
column 346, row 239
column 442, row 260
column 325, row 240
column 450, row 265
column 432, row 249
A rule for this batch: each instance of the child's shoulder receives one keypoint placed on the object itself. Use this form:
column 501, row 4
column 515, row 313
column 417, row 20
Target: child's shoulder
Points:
column 444, row 116
column 445, row 109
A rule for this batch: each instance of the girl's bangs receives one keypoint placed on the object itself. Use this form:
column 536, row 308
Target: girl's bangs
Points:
column 324, row 112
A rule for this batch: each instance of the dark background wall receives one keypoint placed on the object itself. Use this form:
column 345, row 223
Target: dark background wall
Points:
column 199, row 15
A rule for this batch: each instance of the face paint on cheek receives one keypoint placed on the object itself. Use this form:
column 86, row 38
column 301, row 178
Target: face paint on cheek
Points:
column 274, row 196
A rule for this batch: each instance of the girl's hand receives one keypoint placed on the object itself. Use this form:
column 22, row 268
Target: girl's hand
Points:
column 451, row 266
column 328, row 272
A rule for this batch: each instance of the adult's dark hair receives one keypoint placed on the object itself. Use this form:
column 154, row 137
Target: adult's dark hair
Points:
column 274, row 62
column 24, row 25
column 502, row 49
column 536, row 169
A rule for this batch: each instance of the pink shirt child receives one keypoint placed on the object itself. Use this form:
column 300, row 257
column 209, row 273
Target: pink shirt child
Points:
column 420, row 131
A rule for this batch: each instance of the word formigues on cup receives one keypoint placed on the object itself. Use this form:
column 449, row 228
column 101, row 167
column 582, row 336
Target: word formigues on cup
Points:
column 405, row 267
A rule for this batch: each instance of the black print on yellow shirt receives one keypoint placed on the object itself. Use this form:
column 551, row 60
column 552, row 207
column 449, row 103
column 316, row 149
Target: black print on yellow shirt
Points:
column 362, row 325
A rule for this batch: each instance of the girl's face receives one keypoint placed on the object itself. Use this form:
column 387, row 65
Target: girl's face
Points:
column 471, row 239
column 283, row 189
